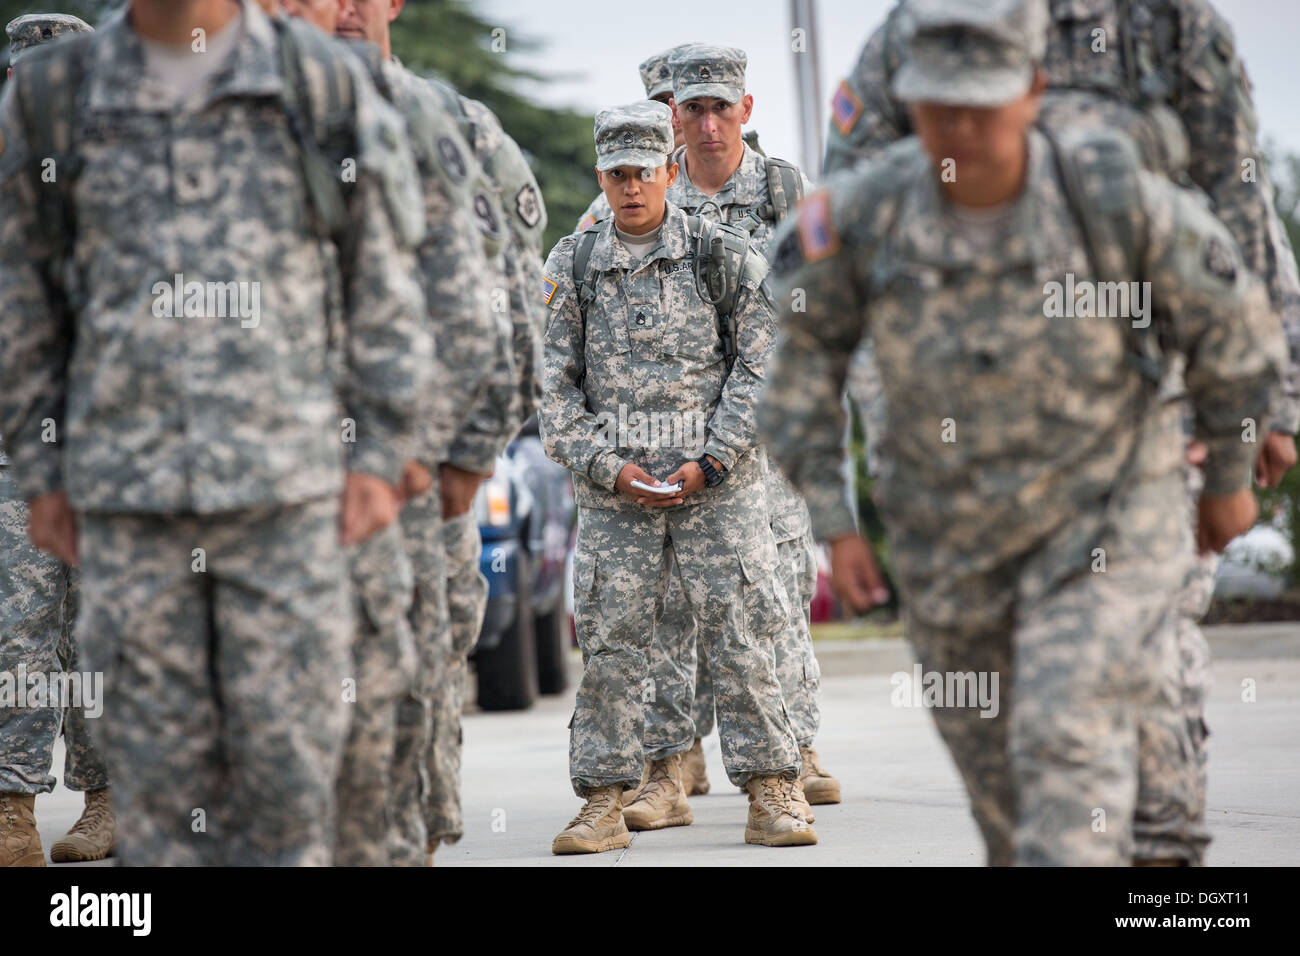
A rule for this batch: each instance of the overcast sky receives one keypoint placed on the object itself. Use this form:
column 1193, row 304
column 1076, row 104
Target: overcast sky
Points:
column 592, row 50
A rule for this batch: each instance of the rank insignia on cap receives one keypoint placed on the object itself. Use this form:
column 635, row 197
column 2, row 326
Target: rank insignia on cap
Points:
column 817, row 236
column 845, row 108
column 548, row 290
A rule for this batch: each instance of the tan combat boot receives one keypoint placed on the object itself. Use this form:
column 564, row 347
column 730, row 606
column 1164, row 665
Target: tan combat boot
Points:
column 801, row 808
column 597, row 827
column 93, row 836
column 20, row 844
column 818, row 785
column 695, row 777
column 630, row 793
column 661, row 802
column 772, row 817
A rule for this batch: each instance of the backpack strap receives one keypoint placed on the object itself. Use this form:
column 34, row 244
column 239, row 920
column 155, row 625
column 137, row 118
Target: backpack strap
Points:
column 315, row 124
column 51, row 93
column 1100, row 176
column 722, row 262
column 784, row 185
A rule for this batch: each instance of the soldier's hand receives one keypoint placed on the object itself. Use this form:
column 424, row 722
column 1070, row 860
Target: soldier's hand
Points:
column 691, row 475
column 1221, row 518
column 416, row 480
column 855, row 576
column 631, row 473
column 1276, row 458
column 370, row 504
column 458, row 488
column 52, row 526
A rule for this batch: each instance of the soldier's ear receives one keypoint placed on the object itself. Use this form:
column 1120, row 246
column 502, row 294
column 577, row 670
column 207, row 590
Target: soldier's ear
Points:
column 672, row 174
column 747, row 108
column 394, row 8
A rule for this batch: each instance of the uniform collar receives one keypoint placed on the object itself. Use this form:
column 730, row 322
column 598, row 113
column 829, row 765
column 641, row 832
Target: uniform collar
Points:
column 919, row 240
column 745, row 187
column 119, row 79
column 674, row 244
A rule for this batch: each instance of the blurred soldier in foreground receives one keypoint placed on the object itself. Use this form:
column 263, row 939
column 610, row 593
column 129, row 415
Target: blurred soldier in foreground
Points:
column 640, row 387
column 493, row 417
column 460, row 269
column 1165, row 72
column 183, row 325
column 1027, row 469
column 38, row 611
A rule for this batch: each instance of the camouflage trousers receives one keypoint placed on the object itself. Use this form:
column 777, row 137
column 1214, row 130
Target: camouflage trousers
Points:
column 684, row 709
column 726, row 563
column 408, row 835
column 39, row 597
column 383, row 666
column 1173, row 739
column 1052, row 771
column 224, row 642
column 467, row 594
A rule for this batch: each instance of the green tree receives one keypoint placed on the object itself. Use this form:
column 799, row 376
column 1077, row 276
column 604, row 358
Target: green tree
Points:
column 447, row 38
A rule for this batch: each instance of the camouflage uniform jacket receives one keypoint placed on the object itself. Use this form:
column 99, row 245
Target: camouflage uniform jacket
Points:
column 649, row 352
column 155, row 412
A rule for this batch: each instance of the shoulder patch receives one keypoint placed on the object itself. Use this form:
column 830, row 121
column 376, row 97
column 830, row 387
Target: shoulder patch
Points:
column 846, row 108
column 548, row 290
column 587, row 222
column 452, row 160
column 527, row 206
column 817, row 236
column 486, row 216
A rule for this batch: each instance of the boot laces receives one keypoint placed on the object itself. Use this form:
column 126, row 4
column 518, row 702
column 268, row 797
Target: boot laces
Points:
column 660, row 782
column 591, row 811
column 777, row 792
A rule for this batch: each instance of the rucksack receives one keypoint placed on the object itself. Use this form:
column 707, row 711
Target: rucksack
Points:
column 55, row 78
column 720, row 255
column 784, row 189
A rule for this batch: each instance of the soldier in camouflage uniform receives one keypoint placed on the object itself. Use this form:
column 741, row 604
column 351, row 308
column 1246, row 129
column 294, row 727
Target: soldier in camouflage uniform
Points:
column 629, row 340
column 472, row 360
column 1028, row 463
column 711, row 106
column 38, row 609
column 507, row 398
column 198, row 471
column 1166, row 73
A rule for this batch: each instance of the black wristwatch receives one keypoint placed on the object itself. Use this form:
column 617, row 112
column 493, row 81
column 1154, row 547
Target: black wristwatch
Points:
column 712, row 476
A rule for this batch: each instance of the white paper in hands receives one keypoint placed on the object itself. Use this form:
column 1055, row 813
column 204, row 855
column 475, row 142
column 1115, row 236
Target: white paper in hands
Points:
column 640, row 485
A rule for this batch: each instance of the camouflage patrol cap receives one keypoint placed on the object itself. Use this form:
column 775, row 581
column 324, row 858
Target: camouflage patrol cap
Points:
column 657, row 75
column 639, row 134
column 36, row 28
column 972, row 54
column 701, row 69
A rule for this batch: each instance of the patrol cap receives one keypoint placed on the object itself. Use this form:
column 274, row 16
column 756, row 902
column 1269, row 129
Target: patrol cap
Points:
column 968, row 53
column 657, row 75
column 35, row 28
column 701, row 69
column 639, row 134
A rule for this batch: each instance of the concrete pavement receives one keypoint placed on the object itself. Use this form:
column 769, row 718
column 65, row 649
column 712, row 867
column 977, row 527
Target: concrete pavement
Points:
column 904, row 804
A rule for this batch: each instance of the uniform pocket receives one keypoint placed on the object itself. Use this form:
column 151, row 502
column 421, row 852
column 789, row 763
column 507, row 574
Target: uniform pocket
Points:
column 766, row 609
column 584, row 570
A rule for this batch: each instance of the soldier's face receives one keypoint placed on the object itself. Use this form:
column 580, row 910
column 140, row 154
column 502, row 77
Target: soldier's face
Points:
column 368, row 20
column 975, row 145
column 711, row 127
column 324, row 14
column 637, row 195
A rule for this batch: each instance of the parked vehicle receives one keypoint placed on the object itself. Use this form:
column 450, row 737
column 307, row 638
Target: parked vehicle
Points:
column 525, row 515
